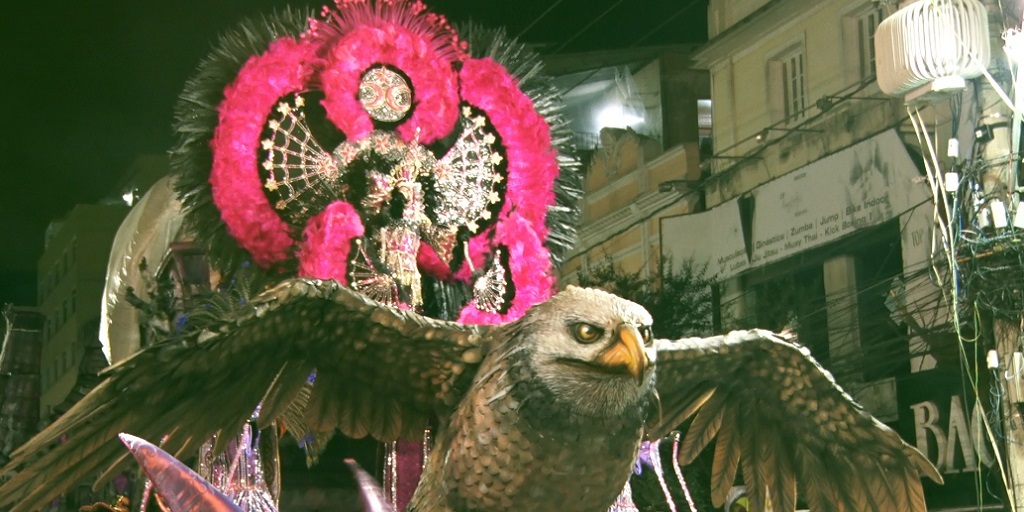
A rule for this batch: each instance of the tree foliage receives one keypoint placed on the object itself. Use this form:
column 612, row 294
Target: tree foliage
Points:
column 680, row 300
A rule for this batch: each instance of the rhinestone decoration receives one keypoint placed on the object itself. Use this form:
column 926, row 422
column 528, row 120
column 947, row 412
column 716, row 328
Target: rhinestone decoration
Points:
column 490, row 289
column 365, row 277
column 298, row 174
column 238, row 472
column 398, row 247
column 443, row 239
column 385, row 95
column 301, row 178
column 393, row 276
column 467, row 180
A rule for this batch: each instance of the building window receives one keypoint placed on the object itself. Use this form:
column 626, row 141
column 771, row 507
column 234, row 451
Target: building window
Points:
column 788, row 85
column 704, row 121
column 867, row 24
column 859, row 28
column 794, row 92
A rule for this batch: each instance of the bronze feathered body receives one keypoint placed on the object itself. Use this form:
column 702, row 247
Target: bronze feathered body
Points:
column 515, row 442
column 544, row 414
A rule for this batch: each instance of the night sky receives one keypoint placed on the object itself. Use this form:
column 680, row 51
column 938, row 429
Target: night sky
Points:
column 88, row 86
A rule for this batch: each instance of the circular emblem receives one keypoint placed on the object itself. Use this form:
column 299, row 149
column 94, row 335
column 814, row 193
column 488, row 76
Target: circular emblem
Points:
column 385, row 95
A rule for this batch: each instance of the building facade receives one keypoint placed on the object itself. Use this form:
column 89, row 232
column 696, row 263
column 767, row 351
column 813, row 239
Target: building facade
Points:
column 71, row 277
column 819, row 218
column 640, row 118
column 72, row 271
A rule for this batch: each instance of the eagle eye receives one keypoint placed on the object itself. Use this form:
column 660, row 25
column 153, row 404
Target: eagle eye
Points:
column 586, row 333
column 645, row 332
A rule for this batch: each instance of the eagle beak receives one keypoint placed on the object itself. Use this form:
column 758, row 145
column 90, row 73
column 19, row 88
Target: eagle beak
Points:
column 626, row 352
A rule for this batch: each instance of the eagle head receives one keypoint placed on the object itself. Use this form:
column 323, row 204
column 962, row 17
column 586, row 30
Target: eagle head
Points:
column 592, row 349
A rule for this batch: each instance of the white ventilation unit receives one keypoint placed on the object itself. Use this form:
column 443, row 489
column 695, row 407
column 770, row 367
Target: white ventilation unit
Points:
column 931, row 47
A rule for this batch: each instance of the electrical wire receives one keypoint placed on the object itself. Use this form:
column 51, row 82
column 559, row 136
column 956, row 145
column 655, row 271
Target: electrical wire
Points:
column 538, row 18
column 983, row 258
column 588, row 25
column 890, row 352
column 663, row 23
column 979, row 269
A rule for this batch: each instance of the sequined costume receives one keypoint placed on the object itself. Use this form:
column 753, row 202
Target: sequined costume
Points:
column 376, row 146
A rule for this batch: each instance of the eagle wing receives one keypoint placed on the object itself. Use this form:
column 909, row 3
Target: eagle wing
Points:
column 780, row 419
column 379, row 371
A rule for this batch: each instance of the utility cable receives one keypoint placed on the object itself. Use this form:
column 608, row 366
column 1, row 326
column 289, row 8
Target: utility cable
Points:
column 663, row 23
column 588, row 25
column 542, row 15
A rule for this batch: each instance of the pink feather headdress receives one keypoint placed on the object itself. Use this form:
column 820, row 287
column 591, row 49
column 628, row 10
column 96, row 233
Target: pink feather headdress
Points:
column 376, row 146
